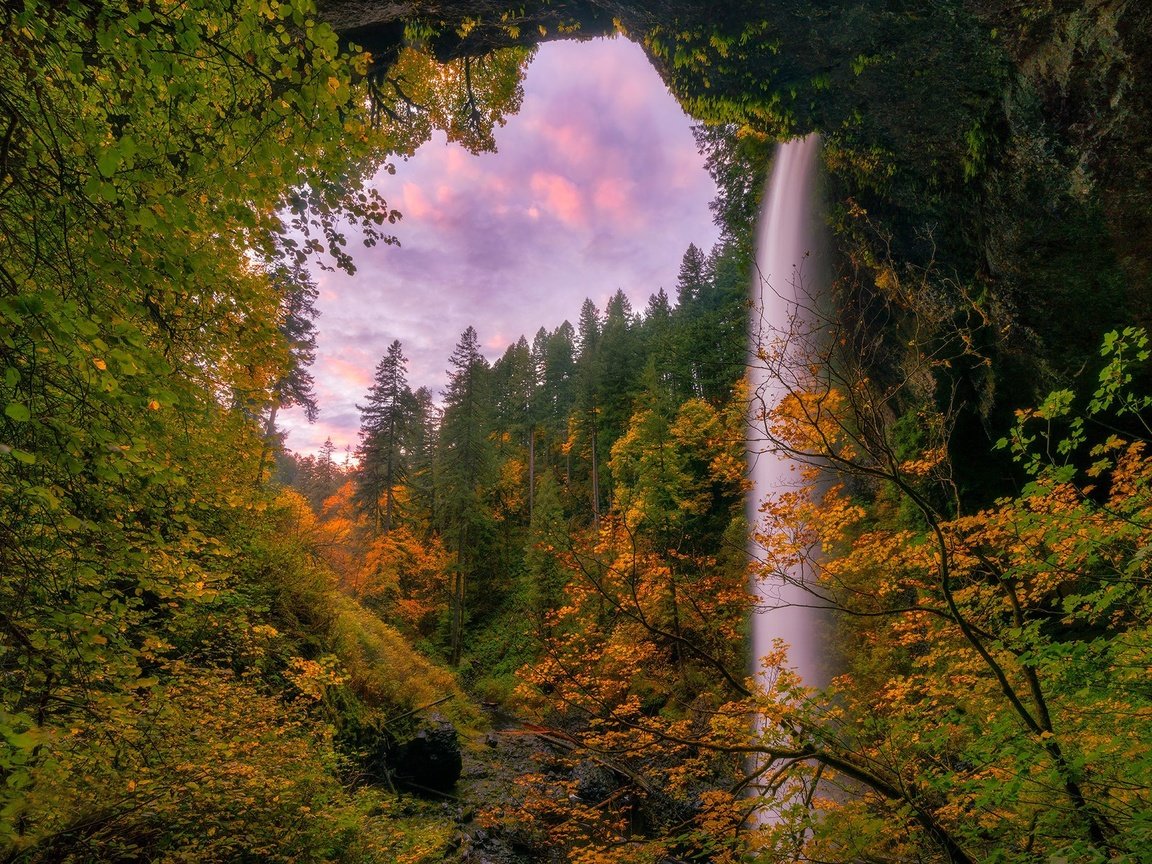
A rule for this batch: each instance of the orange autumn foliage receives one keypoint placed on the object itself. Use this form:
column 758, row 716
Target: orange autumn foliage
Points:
column 991, row 702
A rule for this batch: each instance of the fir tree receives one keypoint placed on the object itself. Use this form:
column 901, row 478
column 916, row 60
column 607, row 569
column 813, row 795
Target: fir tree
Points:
column 466, row 470
column 384, row 420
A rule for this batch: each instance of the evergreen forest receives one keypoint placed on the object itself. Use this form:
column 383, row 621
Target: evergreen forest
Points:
column 514, row 625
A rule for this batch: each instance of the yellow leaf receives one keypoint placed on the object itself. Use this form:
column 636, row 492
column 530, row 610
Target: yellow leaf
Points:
column 99, row 364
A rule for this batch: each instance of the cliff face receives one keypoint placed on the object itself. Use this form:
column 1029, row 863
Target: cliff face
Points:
column 1090, row 65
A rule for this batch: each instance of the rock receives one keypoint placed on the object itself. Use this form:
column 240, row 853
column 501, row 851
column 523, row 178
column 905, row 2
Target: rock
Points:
column 430, row 760
column 594, row 782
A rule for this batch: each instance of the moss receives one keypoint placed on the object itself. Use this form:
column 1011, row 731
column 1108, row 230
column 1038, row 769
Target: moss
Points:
column 384, row 671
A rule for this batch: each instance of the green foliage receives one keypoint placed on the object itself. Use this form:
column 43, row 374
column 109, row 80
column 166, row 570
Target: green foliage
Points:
column 466, row 460
column 545, row 573
column 738, row 159
column 1058, row 445
column 1125, row 352
column 158, row 669
column 466, row 98
column 384, row 671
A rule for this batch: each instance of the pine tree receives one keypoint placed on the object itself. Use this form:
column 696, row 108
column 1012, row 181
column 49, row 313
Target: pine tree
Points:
column 384, row 421
column 423, row 435
column 586, row 420
column 516, row 382
column 466, row 470
column 322, row 475
column 588, row 329
column 722, row 320
column 514, row 387
column 661, row 340
column 558, row 378
column 620, row 363
column 709, row 321
column 693, row 276
column 545, row 571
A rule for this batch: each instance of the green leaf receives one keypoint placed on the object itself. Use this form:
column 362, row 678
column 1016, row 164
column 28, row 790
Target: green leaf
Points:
column 108, row 161
column 19, row 413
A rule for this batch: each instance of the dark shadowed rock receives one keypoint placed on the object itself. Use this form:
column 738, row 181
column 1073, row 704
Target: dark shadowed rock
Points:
column 594, row 782
column 430, row 760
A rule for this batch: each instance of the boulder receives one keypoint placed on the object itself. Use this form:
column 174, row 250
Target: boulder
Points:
column 430, row 760
column 594, row 781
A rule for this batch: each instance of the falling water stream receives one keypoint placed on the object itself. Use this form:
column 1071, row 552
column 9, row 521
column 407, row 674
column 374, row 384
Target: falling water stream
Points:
column 787, row 292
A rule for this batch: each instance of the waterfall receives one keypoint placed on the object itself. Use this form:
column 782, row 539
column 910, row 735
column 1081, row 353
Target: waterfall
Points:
column 787, row 290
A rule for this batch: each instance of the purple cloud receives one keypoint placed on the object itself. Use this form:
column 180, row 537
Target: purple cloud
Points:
column 597, row 186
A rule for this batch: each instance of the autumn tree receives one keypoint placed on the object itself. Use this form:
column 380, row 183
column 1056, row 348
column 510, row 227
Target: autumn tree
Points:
column 962, row 629
column 646, row 639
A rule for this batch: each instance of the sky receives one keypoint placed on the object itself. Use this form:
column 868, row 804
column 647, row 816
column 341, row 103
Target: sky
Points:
column 596, row 186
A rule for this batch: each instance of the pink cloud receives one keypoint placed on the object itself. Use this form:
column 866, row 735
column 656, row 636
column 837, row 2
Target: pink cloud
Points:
column 460, row 164
column 356, row 375
column 573, row 144
column 414, row 204
column 497, row 185
column 446, row 193
column 561, row 197
column 614, row 197
column 598, row 156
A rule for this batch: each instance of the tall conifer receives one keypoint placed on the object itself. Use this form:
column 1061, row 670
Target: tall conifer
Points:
column 384, row 420
column 466, row 468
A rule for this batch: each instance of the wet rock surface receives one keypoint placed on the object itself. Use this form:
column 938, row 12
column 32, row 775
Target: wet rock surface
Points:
column 492, row 766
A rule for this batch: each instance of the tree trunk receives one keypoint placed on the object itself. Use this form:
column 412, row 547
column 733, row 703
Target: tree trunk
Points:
column 595, row 482
column 266, row 448
column 531, row 471
column 457, row 630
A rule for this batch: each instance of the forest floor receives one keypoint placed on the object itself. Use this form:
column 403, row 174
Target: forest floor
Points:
column 491, row 787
